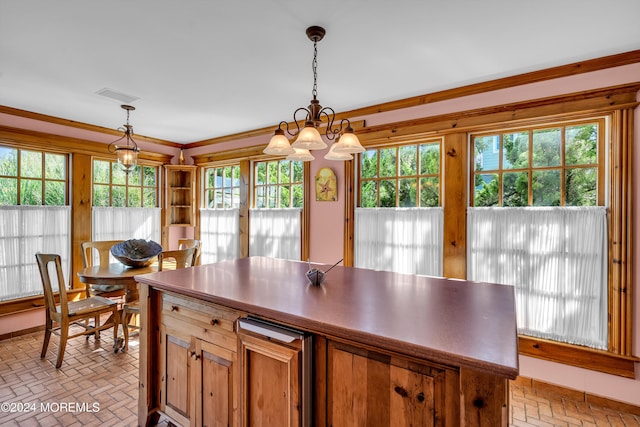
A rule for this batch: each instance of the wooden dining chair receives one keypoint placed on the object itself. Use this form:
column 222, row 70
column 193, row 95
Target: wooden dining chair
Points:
column 60, row 317
column 182, row 258
column 191, row 243
column 103, row 248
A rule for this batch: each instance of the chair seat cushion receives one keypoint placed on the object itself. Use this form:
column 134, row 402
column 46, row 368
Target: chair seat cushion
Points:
column 106, row 288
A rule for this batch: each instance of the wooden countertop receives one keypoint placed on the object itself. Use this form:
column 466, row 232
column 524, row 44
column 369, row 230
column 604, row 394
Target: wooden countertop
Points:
column 453, row 322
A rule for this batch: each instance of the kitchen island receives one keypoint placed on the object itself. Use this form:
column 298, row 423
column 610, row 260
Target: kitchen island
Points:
column 384, row 348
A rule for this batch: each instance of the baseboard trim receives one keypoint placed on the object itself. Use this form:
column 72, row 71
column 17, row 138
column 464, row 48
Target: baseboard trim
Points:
column 577, row 395
column 21, row 332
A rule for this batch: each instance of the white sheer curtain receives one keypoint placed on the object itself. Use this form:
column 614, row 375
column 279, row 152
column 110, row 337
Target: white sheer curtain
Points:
column 25, row 230
column 557, row 260
column 126, row 223
column 275, row 233
column 219, row 233
column 404, row 240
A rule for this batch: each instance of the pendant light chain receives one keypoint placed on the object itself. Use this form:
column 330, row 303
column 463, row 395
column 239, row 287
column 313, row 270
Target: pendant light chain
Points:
column 314, row 66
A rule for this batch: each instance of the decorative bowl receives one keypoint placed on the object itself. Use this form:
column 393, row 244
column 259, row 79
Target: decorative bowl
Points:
column 315, row 276
column 136, row 253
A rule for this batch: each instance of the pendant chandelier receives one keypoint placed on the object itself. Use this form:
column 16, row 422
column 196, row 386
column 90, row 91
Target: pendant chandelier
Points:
column 309, row 137
column 127, row 154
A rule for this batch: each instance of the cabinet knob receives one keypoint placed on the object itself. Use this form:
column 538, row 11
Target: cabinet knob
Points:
column 420, row 397
column 214, row 322
column 174, row 308
column 195, row 355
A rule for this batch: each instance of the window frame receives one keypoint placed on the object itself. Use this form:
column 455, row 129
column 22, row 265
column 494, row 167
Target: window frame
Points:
column 43, row 179
column 418, row 176
column 600, row 165
column 126, row 185
column 206, row 189
column 278, row 184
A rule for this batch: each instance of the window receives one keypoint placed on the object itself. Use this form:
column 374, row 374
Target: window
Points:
column 125, row 206
column 275, row 223
column 220, row 216
column 399, row 197
column 34, row 217
column 561, row 165
column 32, row 177
column 112, row 187
column 222, row 187
column 403, row 176
column 538, row 223
column 278, row 184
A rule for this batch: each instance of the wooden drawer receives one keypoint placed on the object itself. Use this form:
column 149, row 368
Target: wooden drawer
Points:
column 206, row 321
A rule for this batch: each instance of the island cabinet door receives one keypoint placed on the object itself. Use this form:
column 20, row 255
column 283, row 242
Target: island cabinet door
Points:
column 366, row 388
column 176, row 385
column 197, row 380
column 213, row 376
column 270, row 387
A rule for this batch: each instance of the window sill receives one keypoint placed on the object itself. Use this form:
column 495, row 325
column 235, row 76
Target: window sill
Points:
column 30, row 303
column 581, row 357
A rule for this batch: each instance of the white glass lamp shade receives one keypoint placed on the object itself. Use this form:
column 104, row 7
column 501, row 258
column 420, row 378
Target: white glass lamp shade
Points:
column 301, row 154
column 127, row 157
column 309, row 139
column 334, row 155
column 279, row 145
column 349, row 143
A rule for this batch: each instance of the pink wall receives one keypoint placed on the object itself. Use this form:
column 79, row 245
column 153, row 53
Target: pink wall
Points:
column 327, row 218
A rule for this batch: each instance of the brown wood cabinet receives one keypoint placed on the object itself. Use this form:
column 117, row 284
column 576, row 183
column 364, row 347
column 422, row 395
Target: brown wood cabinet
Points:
column 371, row 388
column 198, row 363
column 180, row 195
column 271, row 384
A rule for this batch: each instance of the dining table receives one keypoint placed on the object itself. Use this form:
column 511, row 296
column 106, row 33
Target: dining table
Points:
column 116, row 274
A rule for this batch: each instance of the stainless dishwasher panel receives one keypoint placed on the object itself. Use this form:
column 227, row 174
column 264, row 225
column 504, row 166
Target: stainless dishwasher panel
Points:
column 286, row 335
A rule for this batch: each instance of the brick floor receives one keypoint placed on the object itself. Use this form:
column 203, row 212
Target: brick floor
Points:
column 103, row 387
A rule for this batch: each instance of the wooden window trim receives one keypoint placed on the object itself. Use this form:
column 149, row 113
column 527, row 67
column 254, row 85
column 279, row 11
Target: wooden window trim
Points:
column 581, row 357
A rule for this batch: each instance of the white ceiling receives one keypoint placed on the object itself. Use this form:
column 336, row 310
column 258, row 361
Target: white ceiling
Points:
column 208, row 68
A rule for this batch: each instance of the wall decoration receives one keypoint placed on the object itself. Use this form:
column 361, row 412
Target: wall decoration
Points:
column 326, row 187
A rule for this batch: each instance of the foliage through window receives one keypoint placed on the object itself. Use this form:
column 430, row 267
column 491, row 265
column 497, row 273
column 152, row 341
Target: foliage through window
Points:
column 278, row 184
column 30, row 177
column 112, row 187
column 222, row 187
column 400, row 176
column 561, row 165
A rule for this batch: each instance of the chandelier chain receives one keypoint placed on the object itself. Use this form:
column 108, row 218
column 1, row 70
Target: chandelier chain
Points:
column 314, row 66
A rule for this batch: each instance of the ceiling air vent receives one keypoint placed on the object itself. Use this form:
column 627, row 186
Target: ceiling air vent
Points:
column 118, row 96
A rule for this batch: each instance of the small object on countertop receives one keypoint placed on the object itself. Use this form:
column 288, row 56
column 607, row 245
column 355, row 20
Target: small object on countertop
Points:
column 315, row 276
